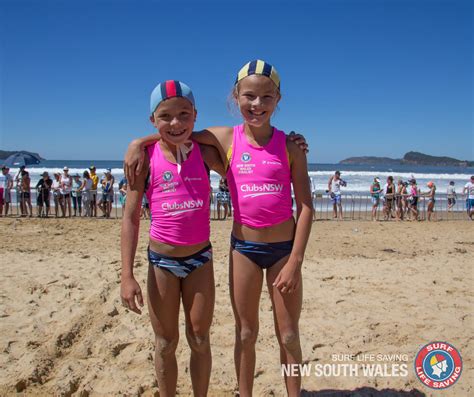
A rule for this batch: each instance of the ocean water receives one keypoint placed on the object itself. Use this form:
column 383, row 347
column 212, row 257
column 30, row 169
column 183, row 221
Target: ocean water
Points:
column 358, row 177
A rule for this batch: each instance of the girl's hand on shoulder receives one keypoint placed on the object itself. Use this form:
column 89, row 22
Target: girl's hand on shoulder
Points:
column 300, row 140
column 129, row 290
column 289, row 279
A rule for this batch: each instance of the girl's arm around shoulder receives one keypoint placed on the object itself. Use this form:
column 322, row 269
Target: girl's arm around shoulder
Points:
column 290, row 275
column 129, row 239
column 219, row 137
column 135, row 155
column 212, row 159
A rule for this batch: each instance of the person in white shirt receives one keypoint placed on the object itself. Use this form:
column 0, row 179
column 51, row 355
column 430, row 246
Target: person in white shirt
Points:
column 6, row 184
column 334, row 189
column 469, row 189
column 56, row 189
column 66, row 188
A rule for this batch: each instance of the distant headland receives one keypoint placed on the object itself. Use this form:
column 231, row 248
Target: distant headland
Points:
column 5, row 154
column 410, row 158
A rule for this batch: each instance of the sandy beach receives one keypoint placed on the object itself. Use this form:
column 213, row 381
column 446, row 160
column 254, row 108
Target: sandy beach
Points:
column 382, row 288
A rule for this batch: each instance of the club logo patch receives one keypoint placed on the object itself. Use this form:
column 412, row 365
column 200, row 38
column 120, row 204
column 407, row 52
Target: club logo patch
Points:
column 438, row 365
column 167, row 176
column 246, row 157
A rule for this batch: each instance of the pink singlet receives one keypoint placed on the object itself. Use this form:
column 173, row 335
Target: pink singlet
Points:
column 179, row 203
column 259, row 180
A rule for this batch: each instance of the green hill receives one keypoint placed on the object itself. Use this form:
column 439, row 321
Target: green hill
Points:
column 415, row 158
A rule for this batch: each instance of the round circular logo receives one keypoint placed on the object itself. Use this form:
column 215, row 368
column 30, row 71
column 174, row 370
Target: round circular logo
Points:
column 246, row 157
column 167, row 176
column 438, row 365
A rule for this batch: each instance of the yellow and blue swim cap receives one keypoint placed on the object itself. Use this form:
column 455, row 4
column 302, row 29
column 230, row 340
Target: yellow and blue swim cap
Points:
column 259, row 67
column 169, row 89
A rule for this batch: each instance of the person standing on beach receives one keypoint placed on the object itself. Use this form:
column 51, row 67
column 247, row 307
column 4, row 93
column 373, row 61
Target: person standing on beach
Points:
column 413, row 200
column 375, row 197
column 65, row 190
column 266, row 241
column 107, row 193
column 86, row 194
column 179, row 252
column 6, row 185
column 43, row 187
column 469, row 189
column 223, row 198
column 26, row 194
column 451, row 194
column 95, row 183
column 123, row 186
column 388, row 198
column 18, row 185
column 431, row 199
column 76, row 195
column 401, row 199
column 56, row 188
column 334, row 189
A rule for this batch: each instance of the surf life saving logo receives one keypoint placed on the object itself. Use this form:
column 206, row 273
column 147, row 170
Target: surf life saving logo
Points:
column 167, row 176
column 246, row 157
column 438, row 365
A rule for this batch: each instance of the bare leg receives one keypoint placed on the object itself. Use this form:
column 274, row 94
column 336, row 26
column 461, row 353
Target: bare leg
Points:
column 68, row 203
column 198, row 301
column 30, row 207
column 62, row 204
column 246, row 280
column 286, row 314
column 374, row 212
column 163, row 305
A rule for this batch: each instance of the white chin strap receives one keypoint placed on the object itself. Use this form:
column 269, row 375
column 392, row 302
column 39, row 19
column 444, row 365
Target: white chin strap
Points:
column 182, row 153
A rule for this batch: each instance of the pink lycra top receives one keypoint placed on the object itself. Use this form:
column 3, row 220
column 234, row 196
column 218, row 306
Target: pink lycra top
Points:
column 179, row 202
column 259, row 180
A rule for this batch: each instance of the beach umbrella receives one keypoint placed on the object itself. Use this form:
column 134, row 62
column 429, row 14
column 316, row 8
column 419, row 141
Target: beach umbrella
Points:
column 22, row 158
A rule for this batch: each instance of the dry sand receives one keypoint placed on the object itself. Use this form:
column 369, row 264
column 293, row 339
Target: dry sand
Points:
column 375, row 288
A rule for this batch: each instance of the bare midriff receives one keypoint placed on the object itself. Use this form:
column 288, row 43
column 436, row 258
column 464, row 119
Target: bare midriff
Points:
column 177, row 251
column 284, row 231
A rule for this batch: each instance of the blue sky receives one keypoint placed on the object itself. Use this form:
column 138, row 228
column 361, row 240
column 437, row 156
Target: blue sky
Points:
column 358, row 77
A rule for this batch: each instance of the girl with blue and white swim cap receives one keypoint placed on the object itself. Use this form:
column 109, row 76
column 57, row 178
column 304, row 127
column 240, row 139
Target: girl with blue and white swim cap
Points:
column 175, row 181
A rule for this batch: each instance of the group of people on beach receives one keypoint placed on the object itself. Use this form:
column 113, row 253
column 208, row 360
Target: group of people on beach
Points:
column 72, row 195
column 400, row 201
column 261, row 164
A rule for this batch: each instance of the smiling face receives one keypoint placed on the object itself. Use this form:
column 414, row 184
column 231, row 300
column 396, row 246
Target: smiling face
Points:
column 257, row 97
column 174, row 118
